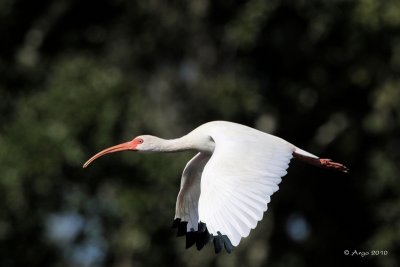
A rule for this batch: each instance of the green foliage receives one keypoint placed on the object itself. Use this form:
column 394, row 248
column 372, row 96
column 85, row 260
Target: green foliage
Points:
column 78, row 76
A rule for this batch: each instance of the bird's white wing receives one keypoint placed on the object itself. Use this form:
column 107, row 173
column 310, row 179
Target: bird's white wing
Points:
column 237, row 182
column 186, row 213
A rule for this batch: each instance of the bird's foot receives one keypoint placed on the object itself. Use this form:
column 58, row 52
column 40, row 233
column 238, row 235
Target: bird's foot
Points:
column 329, row 164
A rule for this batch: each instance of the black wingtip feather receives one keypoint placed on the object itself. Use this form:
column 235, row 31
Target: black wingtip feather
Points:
column 201, row 237
column 227, row 243
column 201, row 227
column 182, row 228
column 190, row 239
column 176, row 222
column 218, row 244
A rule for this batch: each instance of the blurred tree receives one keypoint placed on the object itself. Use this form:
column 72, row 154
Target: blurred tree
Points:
column 77, row 76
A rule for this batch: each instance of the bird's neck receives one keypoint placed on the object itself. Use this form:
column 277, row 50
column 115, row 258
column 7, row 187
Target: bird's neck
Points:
column 187, row 142
column 176, row 145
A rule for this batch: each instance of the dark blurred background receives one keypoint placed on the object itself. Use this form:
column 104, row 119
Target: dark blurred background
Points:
column 79, row 76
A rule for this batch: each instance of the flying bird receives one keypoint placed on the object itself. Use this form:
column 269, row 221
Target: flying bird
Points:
column 226, row 187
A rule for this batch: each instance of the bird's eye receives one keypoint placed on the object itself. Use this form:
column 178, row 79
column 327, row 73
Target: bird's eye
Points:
column 140, row 141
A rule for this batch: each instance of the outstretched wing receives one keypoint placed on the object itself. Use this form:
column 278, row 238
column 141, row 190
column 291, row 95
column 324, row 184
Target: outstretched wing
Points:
column 237, row 182
column 186, row 213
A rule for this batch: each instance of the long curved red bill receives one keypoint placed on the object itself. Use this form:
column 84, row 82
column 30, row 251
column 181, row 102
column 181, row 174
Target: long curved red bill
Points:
column 120, row 147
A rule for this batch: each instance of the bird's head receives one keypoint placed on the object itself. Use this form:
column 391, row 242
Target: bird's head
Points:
column 140, row 143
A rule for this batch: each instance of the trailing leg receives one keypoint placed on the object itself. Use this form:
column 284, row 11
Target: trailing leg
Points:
column 323, row 163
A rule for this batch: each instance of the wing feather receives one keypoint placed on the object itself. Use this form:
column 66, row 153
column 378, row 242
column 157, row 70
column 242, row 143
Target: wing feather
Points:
column 238, row 180
column 186, row 211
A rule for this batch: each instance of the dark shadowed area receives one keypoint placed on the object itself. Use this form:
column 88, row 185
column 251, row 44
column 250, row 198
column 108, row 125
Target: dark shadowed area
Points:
column 80, row 76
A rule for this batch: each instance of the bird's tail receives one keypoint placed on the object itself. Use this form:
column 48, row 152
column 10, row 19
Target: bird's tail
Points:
column 304, row 153
column 316, row 161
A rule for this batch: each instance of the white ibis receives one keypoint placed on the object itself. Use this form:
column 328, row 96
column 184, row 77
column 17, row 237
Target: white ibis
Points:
column 226, row 187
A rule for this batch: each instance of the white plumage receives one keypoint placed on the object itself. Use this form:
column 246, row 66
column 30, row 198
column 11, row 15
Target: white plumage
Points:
column 226, row 187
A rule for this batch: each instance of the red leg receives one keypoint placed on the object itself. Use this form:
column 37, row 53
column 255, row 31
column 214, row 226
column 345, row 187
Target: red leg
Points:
column 323, row 163
column 329, row 164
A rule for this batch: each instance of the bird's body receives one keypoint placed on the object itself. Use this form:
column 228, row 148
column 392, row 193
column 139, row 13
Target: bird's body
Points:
column 226, row 187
